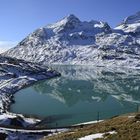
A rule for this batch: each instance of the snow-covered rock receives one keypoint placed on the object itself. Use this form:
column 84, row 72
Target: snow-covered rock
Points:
column 71, row 41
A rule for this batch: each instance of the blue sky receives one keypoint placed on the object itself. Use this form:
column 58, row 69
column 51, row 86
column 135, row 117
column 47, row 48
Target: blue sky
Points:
column 18, row 18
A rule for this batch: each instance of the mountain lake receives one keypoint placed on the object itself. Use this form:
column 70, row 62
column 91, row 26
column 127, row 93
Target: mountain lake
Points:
column 81, row 94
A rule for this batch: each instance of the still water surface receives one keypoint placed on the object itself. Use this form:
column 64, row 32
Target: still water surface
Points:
column 81, row 94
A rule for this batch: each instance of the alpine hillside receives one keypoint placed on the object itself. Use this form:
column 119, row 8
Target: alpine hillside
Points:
column 71, row 41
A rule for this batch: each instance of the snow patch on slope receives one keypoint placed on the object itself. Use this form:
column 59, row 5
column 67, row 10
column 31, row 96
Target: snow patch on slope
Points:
column 97, row 136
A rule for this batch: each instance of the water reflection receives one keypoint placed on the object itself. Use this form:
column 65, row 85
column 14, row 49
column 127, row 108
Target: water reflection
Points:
column 82, row 83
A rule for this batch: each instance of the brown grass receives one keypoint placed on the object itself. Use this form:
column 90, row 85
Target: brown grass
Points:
column 126, row 128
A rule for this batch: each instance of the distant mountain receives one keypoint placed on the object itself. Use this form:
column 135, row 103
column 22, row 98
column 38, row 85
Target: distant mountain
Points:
column 131, row 25
column 71, row 41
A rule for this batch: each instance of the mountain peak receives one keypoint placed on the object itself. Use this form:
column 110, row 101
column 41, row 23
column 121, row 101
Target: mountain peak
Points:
column 69, row 20
column 67, row 23
column 131, row 25
column 132, row 19
column 71, row 17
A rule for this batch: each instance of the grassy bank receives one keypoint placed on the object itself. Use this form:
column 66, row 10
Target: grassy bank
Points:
column 127, row 127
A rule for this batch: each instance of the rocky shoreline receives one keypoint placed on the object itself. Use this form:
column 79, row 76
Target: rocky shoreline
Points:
column 14, row 75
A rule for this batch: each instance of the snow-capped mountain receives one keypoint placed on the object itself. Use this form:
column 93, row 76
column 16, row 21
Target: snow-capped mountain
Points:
column 131, row 25
column 71, row 41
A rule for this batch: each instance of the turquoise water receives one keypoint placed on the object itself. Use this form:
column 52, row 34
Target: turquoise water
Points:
column 81, row 94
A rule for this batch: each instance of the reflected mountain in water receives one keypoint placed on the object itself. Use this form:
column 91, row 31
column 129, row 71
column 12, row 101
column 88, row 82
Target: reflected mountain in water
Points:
column 88, row 84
